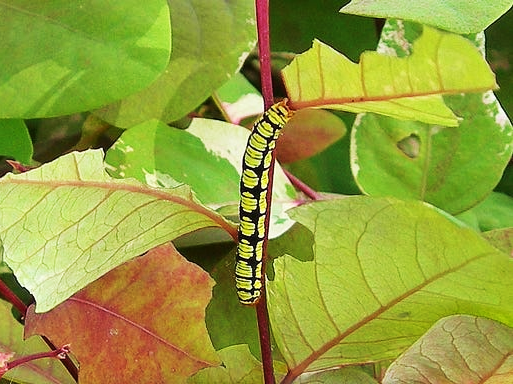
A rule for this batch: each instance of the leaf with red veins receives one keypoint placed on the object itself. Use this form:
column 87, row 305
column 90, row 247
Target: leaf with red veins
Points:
column 142, row 322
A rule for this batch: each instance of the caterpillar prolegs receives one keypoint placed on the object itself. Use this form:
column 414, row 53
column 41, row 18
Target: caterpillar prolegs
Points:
column 253, row 208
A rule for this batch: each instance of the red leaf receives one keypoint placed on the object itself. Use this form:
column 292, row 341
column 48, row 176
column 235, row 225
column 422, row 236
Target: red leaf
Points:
column 142, row 322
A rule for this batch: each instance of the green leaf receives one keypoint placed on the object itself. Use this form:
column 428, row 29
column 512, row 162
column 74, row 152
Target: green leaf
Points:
column 495, row 212
column 60, row 57
column 427, row 162
column 162, row 156
column 239, row 99
column 211, row 39
column 500, row 57
column 457, row 349
column 291, row 31
column 439, row 165
column 65, row 224
column 206, row 156
column 458, row 16
column 142, row 334
column 225, row 310
column 340, row 376
column 384, row 271
column 406, row 88
column 239, row 366
column 15, row 140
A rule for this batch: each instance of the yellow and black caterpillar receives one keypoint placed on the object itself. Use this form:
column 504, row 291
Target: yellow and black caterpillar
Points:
column 253, row 208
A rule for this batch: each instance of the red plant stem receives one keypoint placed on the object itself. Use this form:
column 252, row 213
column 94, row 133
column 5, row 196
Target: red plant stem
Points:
column 11, row 297
column 265, row 337
column 312, row 194
column 262, row 15
column 59, row 353
column 66, row 361
column 264, row 50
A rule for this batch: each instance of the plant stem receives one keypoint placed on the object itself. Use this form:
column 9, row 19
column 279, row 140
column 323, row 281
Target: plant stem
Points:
column 59, row 353
column 312, row 194
column 265, row 337
column 264, row 50
column 11, row 297
column 262, row 14
column 66, row 360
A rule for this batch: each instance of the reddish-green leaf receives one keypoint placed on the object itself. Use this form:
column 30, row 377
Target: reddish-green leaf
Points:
column 140, row 323
column 309, row 132
column 457, row 349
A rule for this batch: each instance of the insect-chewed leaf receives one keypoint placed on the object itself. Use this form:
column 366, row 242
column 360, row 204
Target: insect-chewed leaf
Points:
column 406, row 88
column 410, row 159
column 65, row 224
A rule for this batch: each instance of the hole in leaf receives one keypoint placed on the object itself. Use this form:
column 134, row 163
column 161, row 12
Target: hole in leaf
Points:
column 410, row 146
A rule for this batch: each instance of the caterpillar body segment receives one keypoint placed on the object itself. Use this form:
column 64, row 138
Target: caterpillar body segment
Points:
column 253, row 208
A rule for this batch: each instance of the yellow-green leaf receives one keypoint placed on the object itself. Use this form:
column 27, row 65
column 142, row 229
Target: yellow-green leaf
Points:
column 407, row 88
column 383, row 272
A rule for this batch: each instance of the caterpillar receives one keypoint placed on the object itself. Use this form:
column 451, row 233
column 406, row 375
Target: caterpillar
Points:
column 253, row 208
